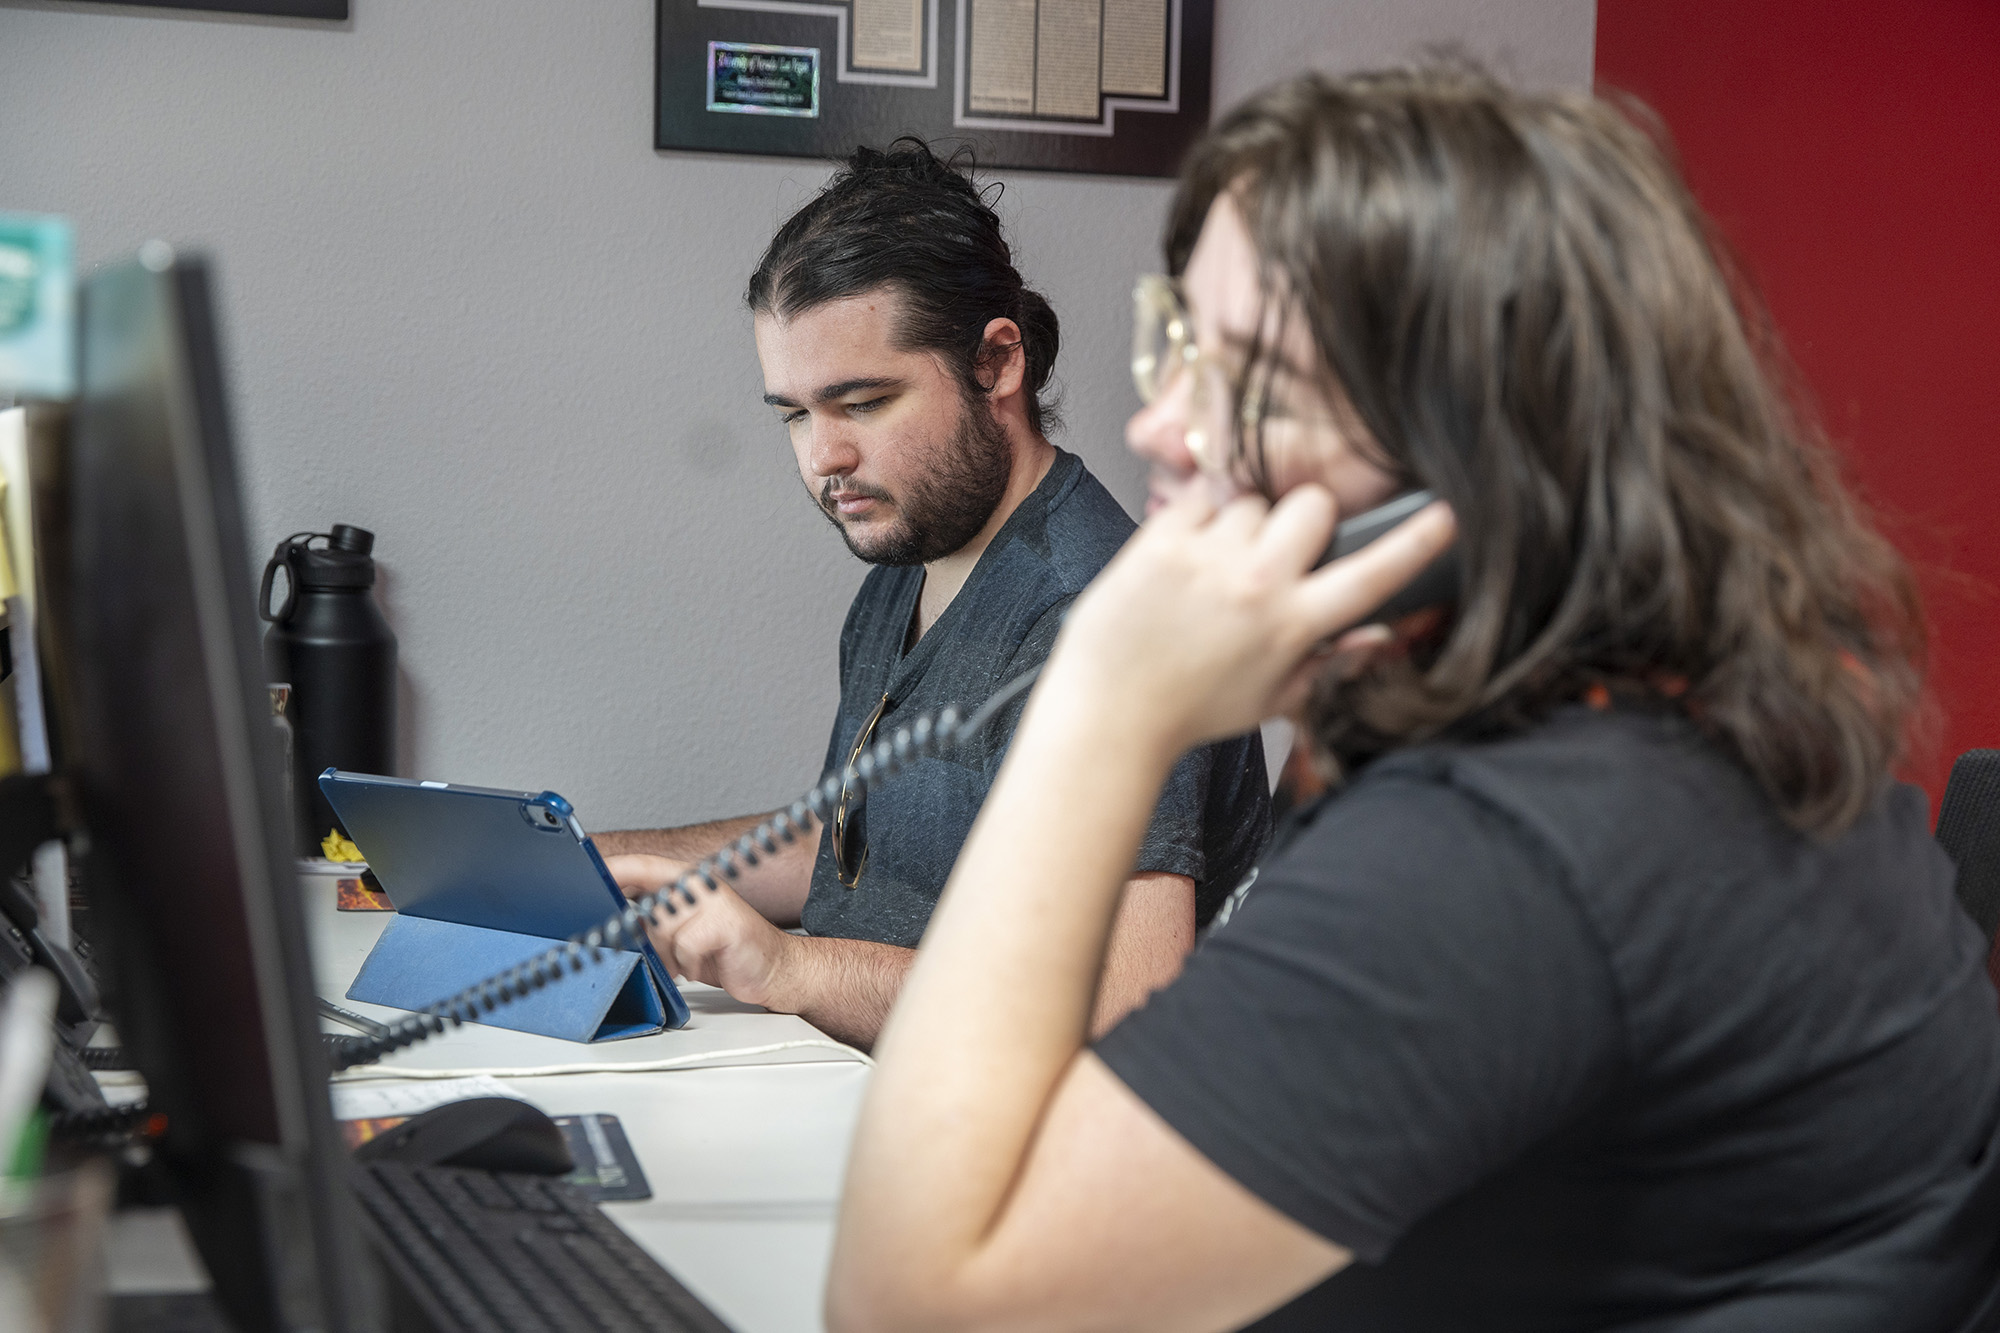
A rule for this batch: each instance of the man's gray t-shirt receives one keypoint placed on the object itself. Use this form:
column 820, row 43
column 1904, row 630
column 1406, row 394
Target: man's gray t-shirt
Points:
column 1212, row 819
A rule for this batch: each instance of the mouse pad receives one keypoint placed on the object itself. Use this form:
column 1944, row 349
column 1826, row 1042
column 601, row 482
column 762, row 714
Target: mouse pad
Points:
column 607, row 1170
column 606, row 1167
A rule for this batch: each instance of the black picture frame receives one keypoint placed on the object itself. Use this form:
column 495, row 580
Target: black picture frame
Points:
column 286, row 9
column 1132, row 136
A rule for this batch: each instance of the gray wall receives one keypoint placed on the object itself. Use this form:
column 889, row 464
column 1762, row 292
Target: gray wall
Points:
column 468, row 306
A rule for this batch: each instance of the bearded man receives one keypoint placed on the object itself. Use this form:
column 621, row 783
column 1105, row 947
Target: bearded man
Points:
column 907, row 361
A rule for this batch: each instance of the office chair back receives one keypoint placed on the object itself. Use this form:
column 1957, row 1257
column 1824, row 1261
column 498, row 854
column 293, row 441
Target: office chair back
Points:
column 1968, row 828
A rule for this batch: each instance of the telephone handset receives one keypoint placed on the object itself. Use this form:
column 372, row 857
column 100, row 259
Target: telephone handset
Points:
column 29, row 820
column 929, row 735
column 68, row 1085
column 1436, row 585
column 76, row 993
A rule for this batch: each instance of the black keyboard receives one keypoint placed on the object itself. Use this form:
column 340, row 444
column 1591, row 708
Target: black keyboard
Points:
column 484, row 1250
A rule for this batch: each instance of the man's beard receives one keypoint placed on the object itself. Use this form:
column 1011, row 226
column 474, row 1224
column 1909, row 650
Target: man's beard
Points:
column 947, row 504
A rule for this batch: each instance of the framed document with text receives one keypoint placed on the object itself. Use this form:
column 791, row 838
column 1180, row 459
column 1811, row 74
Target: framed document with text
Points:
column 290, row 9
column 1116, row 87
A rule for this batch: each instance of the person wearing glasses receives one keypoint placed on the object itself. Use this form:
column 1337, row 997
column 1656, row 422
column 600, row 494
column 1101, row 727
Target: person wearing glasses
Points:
column 1616, row 984
column 909, row 365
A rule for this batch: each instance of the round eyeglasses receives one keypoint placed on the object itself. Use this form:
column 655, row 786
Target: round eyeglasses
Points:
column 1165, row 356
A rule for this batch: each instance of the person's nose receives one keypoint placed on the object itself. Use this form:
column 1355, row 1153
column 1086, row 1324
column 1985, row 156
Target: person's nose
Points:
column 833, row 452
column 1158, row 432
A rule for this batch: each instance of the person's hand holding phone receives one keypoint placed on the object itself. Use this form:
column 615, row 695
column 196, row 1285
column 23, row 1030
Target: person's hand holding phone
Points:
column 1212, row 619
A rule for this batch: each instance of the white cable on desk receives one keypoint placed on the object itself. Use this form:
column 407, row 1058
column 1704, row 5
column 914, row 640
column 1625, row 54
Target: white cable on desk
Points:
column 362, row 1073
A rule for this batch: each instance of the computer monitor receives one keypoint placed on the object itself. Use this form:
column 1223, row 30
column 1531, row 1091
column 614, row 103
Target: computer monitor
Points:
column 189, row 871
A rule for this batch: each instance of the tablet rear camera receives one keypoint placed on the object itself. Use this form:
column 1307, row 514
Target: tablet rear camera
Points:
column 543, row 818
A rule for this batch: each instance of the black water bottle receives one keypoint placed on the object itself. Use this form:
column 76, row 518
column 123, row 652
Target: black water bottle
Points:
column 328, row 639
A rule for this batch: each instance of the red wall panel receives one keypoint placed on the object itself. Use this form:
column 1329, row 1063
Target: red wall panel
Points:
column 1850, row 151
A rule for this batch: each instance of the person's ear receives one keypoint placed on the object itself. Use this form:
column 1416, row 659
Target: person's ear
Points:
column 1003, row 361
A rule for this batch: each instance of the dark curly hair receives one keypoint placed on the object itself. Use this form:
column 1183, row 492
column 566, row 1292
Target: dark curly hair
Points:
column 912, row 221
column 1521, row 302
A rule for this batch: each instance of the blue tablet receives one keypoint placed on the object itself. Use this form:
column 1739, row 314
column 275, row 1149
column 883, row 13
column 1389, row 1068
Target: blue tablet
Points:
column 481, row 880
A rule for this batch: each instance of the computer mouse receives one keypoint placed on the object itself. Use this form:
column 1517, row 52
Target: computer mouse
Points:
column 484, row 1133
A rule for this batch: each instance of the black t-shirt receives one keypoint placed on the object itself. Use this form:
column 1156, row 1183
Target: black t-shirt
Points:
column 1570, row 1031
column 1214, row 815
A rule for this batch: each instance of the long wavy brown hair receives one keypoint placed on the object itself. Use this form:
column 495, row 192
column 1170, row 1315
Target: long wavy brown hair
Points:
column 1526, row 310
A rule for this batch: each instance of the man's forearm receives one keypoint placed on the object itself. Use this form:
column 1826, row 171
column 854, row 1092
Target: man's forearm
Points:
column 777, row 886
column 844, row 988
column 689, row 844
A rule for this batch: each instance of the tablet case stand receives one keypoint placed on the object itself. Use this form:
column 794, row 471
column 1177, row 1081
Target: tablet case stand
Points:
column 419, row 961
column 483, row 880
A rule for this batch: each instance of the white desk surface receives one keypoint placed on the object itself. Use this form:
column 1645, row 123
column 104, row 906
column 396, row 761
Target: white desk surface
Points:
column 744, row 1152
column 719, row 1025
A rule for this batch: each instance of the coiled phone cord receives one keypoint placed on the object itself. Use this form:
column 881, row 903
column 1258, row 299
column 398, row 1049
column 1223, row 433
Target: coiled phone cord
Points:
column 107, row 1125
column 930, row 735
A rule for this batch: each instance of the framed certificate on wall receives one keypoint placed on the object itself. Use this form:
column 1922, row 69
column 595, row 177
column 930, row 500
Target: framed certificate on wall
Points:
column 289, row 9
column 1117, row 87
